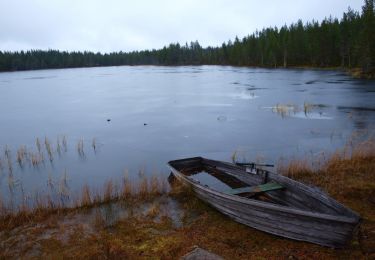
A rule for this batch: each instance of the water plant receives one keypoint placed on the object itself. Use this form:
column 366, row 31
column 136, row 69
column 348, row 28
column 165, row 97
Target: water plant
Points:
column 93, row 144
column 36, row 158
column 48, row 148
column 58, row 146
column 86, row 196
column 126, row 191
column 234, row 156
column 80, row 149
column 65, row 143
column 21, row 155
column 38, row 145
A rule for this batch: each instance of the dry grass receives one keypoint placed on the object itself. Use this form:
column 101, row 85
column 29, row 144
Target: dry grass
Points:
column 93, row 144
column 86, row 196
column 48, row 148
column 80, row 147
column 127, row 187
column 348, row 175
column 21, row 155
column 43, row 204
column 285, row 109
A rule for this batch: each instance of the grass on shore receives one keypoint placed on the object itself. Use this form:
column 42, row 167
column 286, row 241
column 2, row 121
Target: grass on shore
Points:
column 348, row 176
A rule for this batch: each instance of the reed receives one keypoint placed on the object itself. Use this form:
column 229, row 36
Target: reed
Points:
column 93, row 144
column 50, row 181
column 11, row 182
column 155, row 186
column 80, row 149
column 7, row 152
column 127, row 189
column 331, row 171
column 48, row 148
column 234, row 156
column 143, row 188
column 58, row 146
column 109, row 192
column 86, row 197
column 38, row 145
column 21, row 155
column 10, row 165
column 285, row 109
column 65, row 143
column 36, row 158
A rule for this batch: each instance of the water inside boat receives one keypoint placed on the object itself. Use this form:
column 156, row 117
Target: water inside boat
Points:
column 220, row 181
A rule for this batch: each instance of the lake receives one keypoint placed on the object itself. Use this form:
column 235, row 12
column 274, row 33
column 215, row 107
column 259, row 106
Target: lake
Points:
column 102, row 122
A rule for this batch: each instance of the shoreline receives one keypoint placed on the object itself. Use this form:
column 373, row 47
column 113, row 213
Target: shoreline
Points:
column 156, row 223
column 353, row 72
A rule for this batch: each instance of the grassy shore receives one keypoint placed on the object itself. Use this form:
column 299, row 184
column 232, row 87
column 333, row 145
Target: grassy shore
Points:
column 153, row 223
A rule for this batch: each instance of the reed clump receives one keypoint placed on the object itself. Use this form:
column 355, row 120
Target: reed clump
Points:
column 21, row 155
column 93, row 144
column 285, row 109
column 86, row 196
column 48, row 148
column 65, row 143
column 36, row 158
column 59, row 198
column 347, row 174
column 80, row 149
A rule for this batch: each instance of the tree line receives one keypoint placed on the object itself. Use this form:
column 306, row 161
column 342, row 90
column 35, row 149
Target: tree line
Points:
column 348, row 43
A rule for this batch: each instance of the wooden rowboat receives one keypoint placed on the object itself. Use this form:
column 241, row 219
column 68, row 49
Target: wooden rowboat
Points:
column 270, row 202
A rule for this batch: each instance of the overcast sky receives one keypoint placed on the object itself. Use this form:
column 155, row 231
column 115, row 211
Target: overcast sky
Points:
column 114, row 25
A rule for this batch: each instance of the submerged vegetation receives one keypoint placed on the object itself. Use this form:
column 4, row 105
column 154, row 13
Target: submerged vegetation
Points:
column 347, row 43
column 146, row 219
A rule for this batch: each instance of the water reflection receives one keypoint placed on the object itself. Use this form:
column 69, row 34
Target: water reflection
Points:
column 307, row 111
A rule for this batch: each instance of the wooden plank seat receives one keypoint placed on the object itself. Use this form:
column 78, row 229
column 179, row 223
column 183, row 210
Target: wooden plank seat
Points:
column 270, row 186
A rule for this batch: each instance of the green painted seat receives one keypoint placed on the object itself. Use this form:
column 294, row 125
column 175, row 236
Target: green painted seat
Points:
column 270, row 186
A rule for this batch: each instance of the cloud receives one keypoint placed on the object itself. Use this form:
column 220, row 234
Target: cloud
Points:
column 115, row 25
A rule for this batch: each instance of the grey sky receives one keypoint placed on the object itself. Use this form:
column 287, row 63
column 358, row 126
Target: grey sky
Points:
column 114, row 25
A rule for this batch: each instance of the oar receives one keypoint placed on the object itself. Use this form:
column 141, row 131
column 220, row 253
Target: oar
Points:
column 254, row 164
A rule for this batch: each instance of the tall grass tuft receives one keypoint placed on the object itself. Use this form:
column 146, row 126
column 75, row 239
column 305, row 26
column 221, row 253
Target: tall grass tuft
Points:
column 109, row 193
column 143, row 190
column 65, row 143
column 21, row 155
column 58, row 148
column 80, row 149
column 48, row 148
column 93, row 144
column 86, row 197
column 38, row 145
column 126, row 191
column 36, row 158
column 155, row 186
column 7, row 152
column 234, row 156
column 10, row 165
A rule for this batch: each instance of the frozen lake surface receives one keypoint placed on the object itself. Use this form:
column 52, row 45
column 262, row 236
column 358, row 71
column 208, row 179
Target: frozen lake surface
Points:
column 159, row 114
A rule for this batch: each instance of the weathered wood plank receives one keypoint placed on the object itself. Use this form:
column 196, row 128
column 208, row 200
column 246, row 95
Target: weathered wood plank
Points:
column 256, row 189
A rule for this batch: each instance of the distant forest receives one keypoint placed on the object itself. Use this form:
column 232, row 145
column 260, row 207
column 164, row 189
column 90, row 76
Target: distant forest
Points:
column 347, row 43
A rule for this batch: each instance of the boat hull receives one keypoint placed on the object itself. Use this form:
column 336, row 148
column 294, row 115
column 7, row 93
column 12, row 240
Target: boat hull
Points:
column 322, row 229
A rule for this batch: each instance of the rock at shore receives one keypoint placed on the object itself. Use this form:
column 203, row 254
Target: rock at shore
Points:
column 201, row 254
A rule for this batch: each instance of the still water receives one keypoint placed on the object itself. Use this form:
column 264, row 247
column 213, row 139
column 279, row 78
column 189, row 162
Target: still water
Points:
column 139, row 118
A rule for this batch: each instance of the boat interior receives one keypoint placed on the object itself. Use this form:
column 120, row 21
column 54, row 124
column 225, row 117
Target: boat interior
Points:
column 254, row 183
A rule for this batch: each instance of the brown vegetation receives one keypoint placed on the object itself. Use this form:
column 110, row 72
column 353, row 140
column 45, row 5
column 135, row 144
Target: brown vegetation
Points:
column 150, row 228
